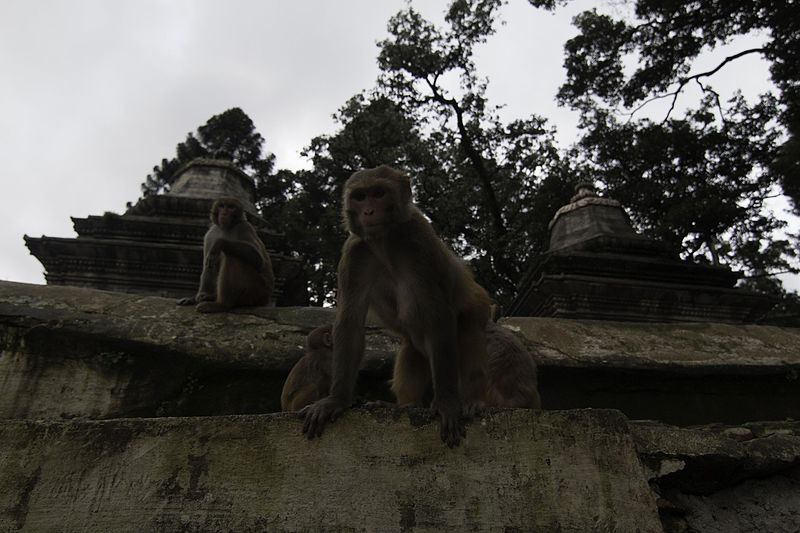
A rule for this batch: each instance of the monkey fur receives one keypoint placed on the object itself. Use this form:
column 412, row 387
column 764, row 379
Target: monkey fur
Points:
column 237, row 270
column 511, row 372
column 394, row 264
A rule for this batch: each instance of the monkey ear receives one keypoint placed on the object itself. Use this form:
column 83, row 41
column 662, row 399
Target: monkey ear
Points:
column 327, row 339
column 405, row 188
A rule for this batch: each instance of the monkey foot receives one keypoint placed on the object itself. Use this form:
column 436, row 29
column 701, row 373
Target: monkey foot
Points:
column 210, row 307
column 452, row 426
column 473, row 409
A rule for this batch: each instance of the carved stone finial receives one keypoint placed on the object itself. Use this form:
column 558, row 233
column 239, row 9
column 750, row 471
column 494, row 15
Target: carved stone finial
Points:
column 584, row 189
column 223, row 154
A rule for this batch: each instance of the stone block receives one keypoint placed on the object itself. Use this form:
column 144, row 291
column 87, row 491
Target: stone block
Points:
column 384, row 470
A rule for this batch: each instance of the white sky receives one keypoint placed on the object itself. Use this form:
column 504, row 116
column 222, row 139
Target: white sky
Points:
column 94, row 93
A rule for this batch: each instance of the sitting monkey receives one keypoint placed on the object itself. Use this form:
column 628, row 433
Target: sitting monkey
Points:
column 394, row 264
column 310, row 378
column 511, row 375
column 237, row 270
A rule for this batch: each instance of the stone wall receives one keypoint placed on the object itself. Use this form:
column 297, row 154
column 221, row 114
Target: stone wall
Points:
column 128, row 413
column 519, row 470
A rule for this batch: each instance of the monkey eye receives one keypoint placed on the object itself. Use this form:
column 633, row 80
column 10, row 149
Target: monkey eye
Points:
column 359, row 195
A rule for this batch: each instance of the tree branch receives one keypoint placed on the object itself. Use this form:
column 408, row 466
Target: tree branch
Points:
column 473, row 155
column 770, row 274
column 695, row 77
column 717, row 102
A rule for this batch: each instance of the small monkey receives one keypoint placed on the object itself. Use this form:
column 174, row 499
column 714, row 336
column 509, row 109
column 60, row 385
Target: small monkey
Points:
column 237, row 270
column 310, row 378
column 511, row 376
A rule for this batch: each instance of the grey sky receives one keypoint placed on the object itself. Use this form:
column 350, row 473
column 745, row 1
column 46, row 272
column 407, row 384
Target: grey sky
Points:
column 94, row 93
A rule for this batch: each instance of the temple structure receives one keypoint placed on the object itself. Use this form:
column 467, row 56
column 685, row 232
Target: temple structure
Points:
column 599, row 267
column 156, row 246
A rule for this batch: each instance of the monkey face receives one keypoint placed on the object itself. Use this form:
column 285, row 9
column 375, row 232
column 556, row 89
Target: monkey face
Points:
column 376, row 199
column 320, row 338
column 372, row 208
column 226, row 212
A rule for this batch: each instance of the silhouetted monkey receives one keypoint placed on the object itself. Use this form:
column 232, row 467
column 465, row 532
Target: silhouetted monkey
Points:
column 394, row 263
column 237, row 270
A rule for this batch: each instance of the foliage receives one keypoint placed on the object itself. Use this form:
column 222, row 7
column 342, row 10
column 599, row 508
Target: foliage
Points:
column 229, row 135
column 701, row 181
column 666, row 38
column 698, row 181
column 695, row 184
column 373, row 131
column 497, row 184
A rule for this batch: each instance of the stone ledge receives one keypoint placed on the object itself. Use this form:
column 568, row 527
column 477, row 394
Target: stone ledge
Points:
column 372, row 471
column 74, row 352
column 718, row 478
column 679, row 347
column 272, row 338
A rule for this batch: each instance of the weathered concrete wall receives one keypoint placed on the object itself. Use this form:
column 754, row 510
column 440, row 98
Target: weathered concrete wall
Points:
column 79, row 353
column 723, row 479
column 679, row 373
column 372, row 471
column 70, row 352
column 698, row 348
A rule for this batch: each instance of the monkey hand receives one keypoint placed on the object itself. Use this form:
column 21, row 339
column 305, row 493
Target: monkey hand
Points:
column 451, row 422
column 220, row 245
column 319, row 413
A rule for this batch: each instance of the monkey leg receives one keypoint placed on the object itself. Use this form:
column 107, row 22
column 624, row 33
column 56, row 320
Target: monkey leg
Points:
column 411, row 381
column 239, row 284
column 473, row 365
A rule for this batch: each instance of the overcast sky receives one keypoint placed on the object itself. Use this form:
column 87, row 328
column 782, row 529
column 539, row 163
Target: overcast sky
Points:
column 94, row 93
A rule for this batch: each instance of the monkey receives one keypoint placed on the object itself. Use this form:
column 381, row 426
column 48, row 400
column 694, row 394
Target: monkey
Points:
column 310, row 378
column 395, row 264
column 512, row 376
column 237, row 270
column 511, row 372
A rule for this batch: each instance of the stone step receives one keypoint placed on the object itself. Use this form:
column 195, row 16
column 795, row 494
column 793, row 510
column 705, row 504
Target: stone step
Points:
column 382, row 470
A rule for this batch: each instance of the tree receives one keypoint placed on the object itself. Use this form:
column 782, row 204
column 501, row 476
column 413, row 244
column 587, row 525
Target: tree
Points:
column 699, row 181
column 373, row 131
column 229, row 135
column 695, row 184
column 488, row 197
column 666, row 38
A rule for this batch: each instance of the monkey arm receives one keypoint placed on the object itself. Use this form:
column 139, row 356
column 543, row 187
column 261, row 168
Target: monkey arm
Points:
column 243, row 242
column 348, row 349
column 244, row 250
column 447, row 401
column 348, row 342
column 208, row 279
column 354, row 287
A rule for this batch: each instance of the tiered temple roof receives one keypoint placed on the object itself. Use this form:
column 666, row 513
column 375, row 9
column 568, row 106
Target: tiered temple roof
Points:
column 599, row 267
column 156, row 246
